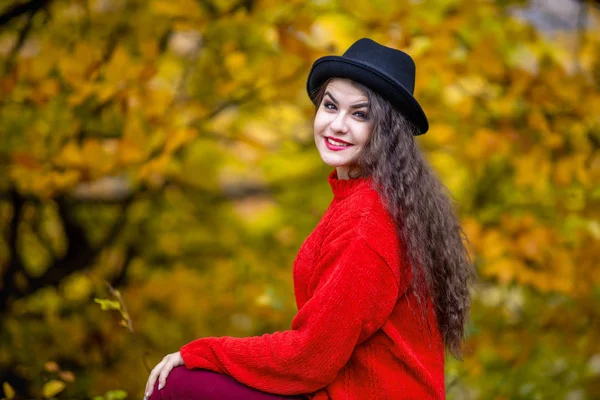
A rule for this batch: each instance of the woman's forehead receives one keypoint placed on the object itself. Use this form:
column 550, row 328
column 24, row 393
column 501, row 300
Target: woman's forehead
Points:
column 346, row 90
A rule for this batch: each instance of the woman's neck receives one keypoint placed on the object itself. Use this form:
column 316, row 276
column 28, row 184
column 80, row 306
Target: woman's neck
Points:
column 346, row 172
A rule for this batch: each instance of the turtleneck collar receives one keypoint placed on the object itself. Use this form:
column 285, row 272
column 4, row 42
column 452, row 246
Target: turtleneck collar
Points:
column 344, row 187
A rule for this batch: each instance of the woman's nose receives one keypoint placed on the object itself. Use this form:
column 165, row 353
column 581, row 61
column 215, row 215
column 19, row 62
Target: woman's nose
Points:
column 339, row 123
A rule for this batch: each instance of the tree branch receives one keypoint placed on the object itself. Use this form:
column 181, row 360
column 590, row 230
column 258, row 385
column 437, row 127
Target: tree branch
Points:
column 10, row 59
column 15, row 261
column 41, row 235
column 32, row 6
column 22, row 36
column 121, row 278
column 80, row 253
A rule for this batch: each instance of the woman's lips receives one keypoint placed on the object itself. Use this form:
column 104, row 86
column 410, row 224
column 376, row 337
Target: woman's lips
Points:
column 334, row 147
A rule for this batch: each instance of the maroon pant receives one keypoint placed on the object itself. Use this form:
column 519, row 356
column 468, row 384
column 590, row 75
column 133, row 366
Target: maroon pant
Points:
column 198, row 384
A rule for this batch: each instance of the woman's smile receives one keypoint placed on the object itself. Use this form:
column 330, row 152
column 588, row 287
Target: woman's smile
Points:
column 336, row 144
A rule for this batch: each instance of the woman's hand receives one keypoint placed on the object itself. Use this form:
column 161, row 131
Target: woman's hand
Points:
column 161, row 371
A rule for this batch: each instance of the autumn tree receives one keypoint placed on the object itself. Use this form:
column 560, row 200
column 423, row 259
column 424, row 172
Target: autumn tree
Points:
column 165, row 148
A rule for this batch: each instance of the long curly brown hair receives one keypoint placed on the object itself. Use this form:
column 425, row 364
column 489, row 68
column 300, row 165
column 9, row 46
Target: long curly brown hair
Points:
column 426, row 221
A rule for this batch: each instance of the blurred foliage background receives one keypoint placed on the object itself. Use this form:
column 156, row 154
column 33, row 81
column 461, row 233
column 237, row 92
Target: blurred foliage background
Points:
column 165, row 148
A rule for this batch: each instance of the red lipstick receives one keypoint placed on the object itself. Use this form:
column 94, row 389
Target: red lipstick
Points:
column 334, row 147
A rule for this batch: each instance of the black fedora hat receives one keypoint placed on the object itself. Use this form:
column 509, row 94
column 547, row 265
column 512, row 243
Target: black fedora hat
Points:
column 387, row 71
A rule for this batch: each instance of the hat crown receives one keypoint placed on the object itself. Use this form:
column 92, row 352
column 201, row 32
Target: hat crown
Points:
column 394, row 63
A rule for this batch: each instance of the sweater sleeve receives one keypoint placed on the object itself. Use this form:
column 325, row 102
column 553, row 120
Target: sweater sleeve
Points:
column 354, row 295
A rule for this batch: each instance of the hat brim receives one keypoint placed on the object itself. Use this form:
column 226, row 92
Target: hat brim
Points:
column 392, row 90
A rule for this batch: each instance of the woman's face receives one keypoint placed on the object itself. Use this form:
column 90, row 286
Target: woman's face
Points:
column 342, row 126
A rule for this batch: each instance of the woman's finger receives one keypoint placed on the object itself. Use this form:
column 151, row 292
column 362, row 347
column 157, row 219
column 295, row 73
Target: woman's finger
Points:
column 153, row 376
column 164, row 373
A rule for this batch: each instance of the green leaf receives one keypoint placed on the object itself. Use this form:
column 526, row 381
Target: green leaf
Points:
column 107, row 304
column 116, row 395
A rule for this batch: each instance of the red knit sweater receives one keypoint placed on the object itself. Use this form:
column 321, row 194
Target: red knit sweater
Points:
column 358, row 333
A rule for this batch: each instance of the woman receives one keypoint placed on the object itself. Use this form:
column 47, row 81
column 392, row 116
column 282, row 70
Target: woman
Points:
column 381, row 284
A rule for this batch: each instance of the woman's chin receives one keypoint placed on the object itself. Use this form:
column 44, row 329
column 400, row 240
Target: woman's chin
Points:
column 333, row 161
column 334, row 164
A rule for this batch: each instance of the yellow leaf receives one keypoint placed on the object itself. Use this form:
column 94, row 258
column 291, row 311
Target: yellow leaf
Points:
column 235, row 61
column 176, row 9
column 271, row 36
column 81, row 93
column 77, row 288
column 64, row 180
column 260, row 133
column 444, row 134
column 53, row 388
column 532, row 169
column 49, row 87
column 419, row 46
column 494, row 245
column 453, row 173
column 487, row 143
column 74, row 66
column 453, row 95
column 533, row 243
column 180, row 137
column 9, row 392
column 130, row 152
column 332, row 32
column 375, row 11
column 222, row 124
column 157, row 102
column 538, row 122
column 153, row 171
column 96, row 158
column 119, row 65
column 523, row 56
column 504, row 269
column 69, row 156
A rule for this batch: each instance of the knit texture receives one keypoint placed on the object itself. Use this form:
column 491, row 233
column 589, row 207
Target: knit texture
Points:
column 359, row 333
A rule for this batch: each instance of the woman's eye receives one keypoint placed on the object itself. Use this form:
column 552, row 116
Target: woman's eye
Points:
column 361, row 114
column 329, row 106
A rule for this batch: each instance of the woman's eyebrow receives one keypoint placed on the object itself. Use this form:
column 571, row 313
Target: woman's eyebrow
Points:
column 332, row 98
column 353, row 106
column 360, row 105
